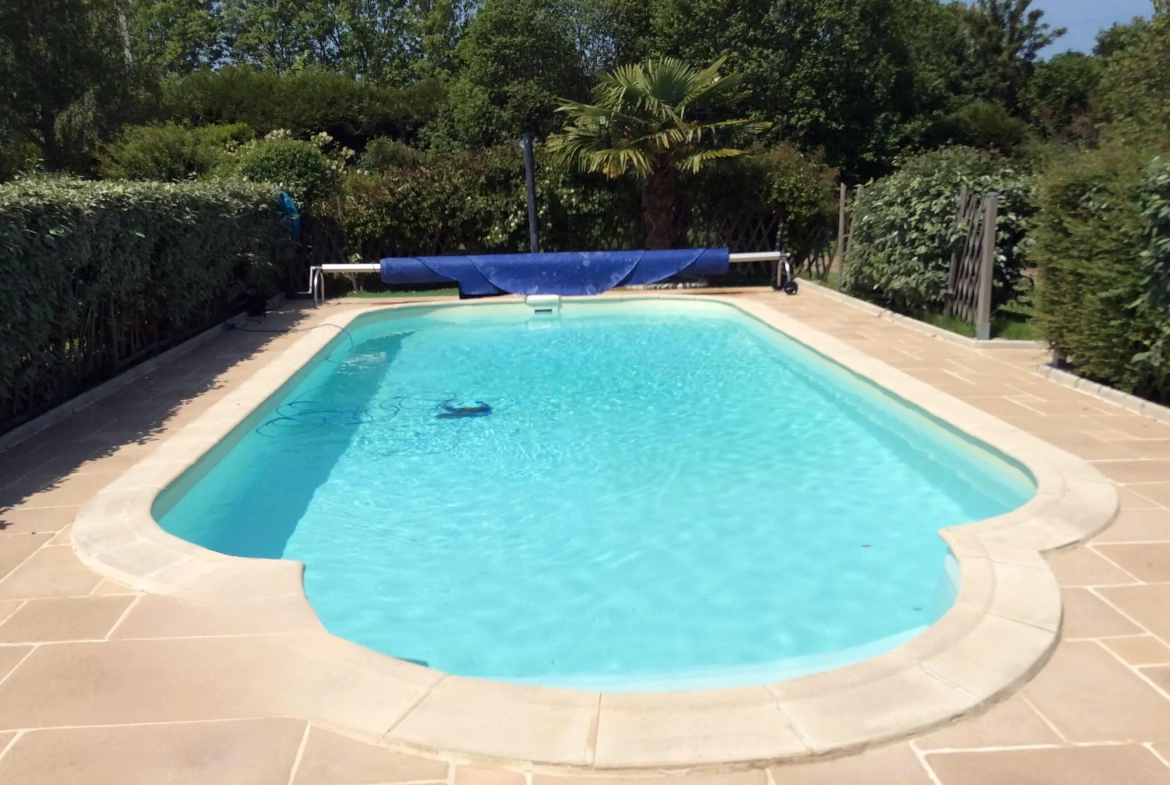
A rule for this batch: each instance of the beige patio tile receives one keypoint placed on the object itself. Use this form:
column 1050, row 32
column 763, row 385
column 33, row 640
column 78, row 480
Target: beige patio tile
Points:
column 1131, row 499
column 15, row 548
column 128, row 682
column 1090, row 448
column 1158, row 674
column 750, row 777
column 249, row 752
column 1082, row 567
column 50, row 572
column 1140, row 650
column 1129, row 764
column 8, row 607
column 1148, row 562
column 1137, row 427
column 897, row 765
column 109, row 588
column 1089, row 696
column 1157, row 492
column 22, row 520
column 1133, row 472
column 1088, row 616
column 663, row 729
column 157, row 616
column 11, row 657
column 1148, row 605
column 73, row 490
column 466, row 775
column 1134, row 525
column 85, row 618
column 330, row 759
column 1012, row 723
column 503, row 720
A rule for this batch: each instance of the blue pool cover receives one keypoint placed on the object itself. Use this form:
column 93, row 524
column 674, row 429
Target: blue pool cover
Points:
column 553, row 273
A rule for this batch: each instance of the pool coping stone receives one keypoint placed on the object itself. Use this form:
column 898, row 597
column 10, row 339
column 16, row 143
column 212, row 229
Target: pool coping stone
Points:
column 1002, row 629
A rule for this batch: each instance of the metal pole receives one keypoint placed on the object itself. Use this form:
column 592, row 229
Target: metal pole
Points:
column 530, row 175
column 987, row 267
column 841, row 232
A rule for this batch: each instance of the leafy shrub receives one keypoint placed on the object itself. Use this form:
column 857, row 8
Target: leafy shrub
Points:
column 988, row 126
column 779, row 179
column 17, row 158
column 96, row 275
column 170, row 152
column 906, row 226
column 300, row 168
column 1155, row 363
column 1103, row 250
column 383, row 154
column 303, row 101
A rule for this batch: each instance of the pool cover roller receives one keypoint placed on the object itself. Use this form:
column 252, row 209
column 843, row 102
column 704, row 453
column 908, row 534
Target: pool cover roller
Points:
column 566, row 274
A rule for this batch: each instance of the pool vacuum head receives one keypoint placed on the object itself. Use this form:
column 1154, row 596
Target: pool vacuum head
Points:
column 458, row 410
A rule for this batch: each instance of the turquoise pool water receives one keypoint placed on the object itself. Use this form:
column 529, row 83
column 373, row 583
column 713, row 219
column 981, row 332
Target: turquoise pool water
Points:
column 664, row 496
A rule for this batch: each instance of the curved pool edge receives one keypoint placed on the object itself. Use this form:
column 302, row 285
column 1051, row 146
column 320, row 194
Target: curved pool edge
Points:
column 1000, row 632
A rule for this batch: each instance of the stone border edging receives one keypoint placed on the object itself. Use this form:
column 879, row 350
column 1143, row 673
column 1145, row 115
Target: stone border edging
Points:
column 91, row 396
column 1105, row 392
column 1000, row 632
column 923, row 327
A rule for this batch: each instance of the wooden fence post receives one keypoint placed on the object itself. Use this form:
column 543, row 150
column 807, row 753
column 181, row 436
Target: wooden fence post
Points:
column 841, row 234
column 987, row 267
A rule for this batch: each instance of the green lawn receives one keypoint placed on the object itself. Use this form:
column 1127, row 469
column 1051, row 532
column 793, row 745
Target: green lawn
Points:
column 405, row 293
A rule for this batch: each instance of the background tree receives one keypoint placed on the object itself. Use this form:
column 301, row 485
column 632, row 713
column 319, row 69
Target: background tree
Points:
column 1005, row 39
column 654, row 120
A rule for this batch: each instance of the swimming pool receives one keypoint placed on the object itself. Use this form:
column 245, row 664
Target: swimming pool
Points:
column 665, row 495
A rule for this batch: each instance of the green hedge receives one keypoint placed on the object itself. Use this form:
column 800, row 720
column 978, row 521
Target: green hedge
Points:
column 95, row 276
column 1102, row 252
column 905, row 228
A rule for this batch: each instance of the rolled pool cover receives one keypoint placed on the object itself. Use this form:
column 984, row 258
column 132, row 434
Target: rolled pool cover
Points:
column 566, row 274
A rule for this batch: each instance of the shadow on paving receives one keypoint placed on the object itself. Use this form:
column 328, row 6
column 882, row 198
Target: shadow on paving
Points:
column 58, row 467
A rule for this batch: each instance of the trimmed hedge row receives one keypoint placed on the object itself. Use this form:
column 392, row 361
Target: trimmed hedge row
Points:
column 96, row 276
column 1104, row 256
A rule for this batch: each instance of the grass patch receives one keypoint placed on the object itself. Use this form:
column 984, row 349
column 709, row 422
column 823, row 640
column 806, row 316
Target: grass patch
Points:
column 406, row 293
column 1013, row 322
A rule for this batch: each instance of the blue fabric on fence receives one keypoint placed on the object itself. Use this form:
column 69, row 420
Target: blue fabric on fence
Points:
column 568, row 274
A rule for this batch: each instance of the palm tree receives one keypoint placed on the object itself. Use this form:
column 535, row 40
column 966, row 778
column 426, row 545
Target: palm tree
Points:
column 654, row 120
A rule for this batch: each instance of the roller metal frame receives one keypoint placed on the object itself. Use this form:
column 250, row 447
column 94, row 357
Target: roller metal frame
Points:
column 318, row 272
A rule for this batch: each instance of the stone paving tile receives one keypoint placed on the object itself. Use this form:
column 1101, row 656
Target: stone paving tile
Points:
column 131, row 682
column 1089, row 696
column 1148, row 562
column 1132, row 500
column 9, row 607
column 1010, row 724
column 1114, row 765
column 1138, row 526
column 1158, row 492
column 85, row 618
column 896, row 765
column 50, row 572
column 1088, row 616
column 15, row 548
column 465, row 775
column 330, row 759
column 32, row 521
column 1140, row 650
column 1082, row 567
column 1135, row 472
column 249, row 752
column 1148, row 605
column 752, row 777
column 156, row 616
column 111, row 588
column 10, row 658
